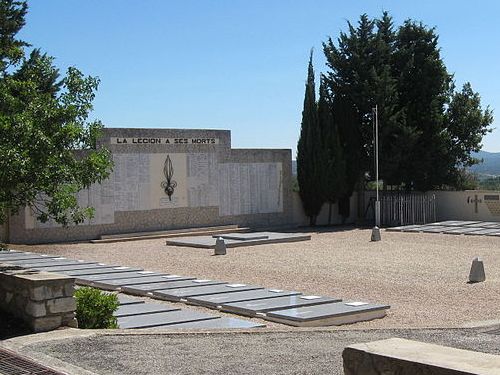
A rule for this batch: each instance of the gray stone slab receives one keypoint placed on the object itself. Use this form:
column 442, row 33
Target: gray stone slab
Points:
column 328, row 314
column 402, row 228
column 258, row 307
column 39, row 260
column 117, row 284
column 215, row 300
column 183, row 293
column 461, row 230
column 143, row 308
column 221, row 323
column 19, row 256
column 87, row 279
column 453, row 223
column 242, row 236
column 74, row 267
column 483, row 224
column 55, row 263
column 208, row 242
column 125, row 300
column 99, row 271
column 144, row 289
column 414, row 228
column 433, row 229
column 483, row 231
column 163, row 319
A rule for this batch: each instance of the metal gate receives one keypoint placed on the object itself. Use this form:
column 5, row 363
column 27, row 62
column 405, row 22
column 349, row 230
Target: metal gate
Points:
column 407, row 208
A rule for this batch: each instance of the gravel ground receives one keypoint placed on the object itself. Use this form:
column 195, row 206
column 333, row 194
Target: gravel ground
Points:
column 299, row 352
column 422, row 276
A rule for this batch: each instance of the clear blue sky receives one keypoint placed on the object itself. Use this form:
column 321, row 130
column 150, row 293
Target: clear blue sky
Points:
column 238, row 65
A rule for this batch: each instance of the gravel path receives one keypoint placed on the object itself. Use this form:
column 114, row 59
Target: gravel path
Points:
column 422, row 276
column 299, row 352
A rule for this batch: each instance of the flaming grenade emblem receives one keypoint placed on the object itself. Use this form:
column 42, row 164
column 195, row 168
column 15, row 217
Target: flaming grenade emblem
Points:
column 169, row 185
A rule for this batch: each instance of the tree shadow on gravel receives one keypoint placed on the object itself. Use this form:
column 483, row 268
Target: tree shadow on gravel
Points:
column 12, row 327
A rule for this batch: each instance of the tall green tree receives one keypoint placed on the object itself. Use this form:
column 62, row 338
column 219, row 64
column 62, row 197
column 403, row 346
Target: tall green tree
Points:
column 425, row 141
column 48, row 148
column 309, row 152
column 333, row 177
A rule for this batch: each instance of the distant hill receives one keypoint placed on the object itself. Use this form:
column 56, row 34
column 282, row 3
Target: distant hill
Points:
column 489, row 167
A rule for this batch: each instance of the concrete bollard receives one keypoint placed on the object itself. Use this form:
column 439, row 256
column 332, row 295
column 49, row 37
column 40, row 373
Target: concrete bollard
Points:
column 477, row 274
column 376, row 234
column 220, row 246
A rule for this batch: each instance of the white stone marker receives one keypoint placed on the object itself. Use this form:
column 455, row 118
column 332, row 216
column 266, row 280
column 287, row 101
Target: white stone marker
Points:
column 477, row 274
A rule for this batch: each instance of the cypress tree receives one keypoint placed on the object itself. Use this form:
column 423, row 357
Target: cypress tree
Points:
column 309, row 168
column 334, row 174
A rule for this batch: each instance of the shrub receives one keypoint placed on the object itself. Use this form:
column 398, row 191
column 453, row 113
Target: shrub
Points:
column 95, row 309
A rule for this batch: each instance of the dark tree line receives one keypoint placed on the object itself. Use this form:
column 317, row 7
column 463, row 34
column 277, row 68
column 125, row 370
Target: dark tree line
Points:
column 428, row 129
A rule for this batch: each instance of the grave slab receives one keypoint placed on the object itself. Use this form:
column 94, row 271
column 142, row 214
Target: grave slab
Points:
column 21, row 256
column 259, row 307
column 483, row 224
column 144, row 289
column 38, row 260
column 208, row 242
column 453, row 223
column 184, row 293
column 461, row 230
column 119, row 283
column 142, row 309
column 414, row 228
column 215, row 300
column 98, row 271
column 74, row 267
column 242, row 236
column 163, row 319
column 125, row 300
column 433, row 229
column 402, row 228
column 328, row 314
column 483, row 231
column 221, row 323
column 86, row 280
column 55, row 263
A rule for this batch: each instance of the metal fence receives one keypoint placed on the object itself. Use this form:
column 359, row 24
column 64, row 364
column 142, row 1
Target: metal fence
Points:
column 407, row 208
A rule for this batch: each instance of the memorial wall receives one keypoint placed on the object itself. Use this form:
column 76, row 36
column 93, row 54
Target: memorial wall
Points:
column 175, row 178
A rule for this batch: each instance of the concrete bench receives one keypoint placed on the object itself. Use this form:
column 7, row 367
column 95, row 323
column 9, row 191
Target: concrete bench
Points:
column 404, row 357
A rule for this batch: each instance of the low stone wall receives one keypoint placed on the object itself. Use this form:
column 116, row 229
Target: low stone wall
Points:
column 43, row 300
column 401, row 357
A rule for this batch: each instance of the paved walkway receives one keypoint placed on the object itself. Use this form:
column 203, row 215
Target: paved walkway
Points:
column 299, row 352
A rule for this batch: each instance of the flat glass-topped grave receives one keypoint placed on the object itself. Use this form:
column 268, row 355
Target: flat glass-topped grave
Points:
column 99, row 271
column 328, row 314
column 262, row 306
column 215, row 300
column 473, row 228
column 117, row 284
column 88, row 279
column 144, row 289
column 242, row 236
column 183, row 293
column 136, row 313
column 238, row 239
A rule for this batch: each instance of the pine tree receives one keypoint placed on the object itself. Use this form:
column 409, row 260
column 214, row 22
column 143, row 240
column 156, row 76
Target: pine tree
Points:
column 309, row 168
